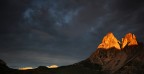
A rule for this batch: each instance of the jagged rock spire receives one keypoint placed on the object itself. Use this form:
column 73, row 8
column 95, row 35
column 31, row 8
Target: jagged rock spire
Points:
column 129, row 39
column 112, row 60
column 110, row 41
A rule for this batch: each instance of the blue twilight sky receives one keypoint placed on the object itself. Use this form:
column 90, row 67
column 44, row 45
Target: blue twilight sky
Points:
column 62, row 32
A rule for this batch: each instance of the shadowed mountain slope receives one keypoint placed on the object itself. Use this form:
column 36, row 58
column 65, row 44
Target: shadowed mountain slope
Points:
column 112, row 57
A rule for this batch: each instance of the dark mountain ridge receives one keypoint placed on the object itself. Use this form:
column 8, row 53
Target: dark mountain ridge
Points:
column 112, row 57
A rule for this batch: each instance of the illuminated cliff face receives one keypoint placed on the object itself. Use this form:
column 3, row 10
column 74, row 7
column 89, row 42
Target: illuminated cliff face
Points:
column 110, row 41
column 129, row 39
column 112, row 54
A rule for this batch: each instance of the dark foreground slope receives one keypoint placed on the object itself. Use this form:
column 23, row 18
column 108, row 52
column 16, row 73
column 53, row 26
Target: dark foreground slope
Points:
column 111, row 57
column 71, row 69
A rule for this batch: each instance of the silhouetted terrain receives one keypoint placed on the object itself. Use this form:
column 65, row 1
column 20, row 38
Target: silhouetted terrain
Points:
column 111, row 57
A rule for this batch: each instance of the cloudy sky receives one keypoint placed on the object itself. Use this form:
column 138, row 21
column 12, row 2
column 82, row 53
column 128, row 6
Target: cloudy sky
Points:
column 62, row 32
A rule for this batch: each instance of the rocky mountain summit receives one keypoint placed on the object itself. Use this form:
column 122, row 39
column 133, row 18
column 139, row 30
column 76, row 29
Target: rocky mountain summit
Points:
column 129, row 39
column 111, row 57
column 110, row 41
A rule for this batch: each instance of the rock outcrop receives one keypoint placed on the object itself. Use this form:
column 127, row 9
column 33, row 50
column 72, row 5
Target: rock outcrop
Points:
column 129, row 40
column 113, row 55
column 109, row 41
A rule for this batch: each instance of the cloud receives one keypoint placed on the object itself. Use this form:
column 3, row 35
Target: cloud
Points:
column 63, row 28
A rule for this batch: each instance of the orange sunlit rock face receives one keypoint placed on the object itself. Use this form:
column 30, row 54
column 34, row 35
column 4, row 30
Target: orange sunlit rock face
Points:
column 129, row 39
column 113, row 55
column 109, row 41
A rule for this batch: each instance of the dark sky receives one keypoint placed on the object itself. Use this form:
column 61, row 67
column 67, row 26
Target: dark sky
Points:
column 62, row 32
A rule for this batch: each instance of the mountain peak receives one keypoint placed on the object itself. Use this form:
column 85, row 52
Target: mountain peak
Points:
column 129, row 39
column 109, row 41
column 112, row 60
